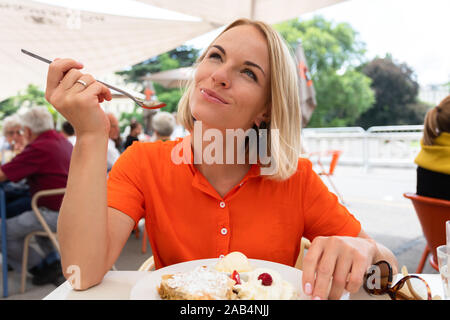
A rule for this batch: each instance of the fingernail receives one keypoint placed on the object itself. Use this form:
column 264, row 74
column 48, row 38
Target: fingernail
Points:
column 308, row 289
column 80, row 63
column 316, row 298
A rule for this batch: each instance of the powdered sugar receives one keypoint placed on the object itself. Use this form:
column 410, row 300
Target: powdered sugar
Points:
column 202, row 281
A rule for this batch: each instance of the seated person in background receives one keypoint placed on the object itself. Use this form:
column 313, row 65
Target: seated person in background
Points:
column 433, row 160
column 17, row 194
column 163, row 123
column 45, row 163
column 14, row 140
column 68, row 132
column 114, row 133
column 135, row 131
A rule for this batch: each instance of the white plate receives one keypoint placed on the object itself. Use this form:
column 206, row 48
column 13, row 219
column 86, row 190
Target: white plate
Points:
column 145, row 288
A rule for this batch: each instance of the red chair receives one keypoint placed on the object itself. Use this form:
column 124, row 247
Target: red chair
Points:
column 335, row 154
column 432, row 214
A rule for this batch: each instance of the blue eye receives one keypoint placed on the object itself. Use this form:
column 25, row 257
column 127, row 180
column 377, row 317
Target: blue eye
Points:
column 250, row 73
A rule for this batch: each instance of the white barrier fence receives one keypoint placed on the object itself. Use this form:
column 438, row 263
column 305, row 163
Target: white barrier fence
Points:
column 387, row 146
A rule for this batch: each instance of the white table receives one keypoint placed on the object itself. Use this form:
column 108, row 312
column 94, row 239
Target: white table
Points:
column 117, row 285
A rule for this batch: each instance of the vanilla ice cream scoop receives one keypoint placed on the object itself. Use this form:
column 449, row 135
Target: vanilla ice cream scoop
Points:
column 266, row 284
column 233, row 261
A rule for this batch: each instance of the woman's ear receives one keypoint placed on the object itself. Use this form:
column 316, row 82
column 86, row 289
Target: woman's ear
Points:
column 264, row 115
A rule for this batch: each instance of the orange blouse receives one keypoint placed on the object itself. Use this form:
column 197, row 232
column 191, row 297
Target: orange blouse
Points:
column 186, row 219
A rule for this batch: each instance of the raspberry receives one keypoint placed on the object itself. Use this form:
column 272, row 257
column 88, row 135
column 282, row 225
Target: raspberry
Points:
column 235, row 276
column 266, row 279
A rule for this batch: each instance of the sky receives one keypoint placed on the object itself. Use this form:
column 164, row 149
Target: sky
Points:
column 415, row 32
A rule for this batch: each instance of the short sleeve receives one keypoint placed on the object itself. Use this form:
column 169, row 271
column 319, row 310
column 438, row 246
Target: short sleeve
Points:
column 125, row 184
column 324, row 215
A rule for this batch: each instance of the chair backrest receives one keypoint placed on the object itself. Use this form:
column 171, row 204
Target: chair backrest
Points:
column 34, row 206
column 432, row 214
column 335, row 154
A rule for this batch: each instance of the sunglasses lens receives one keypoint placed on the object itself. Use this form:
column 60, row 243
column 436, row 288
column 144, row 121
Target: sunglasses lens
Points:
column 411, row 288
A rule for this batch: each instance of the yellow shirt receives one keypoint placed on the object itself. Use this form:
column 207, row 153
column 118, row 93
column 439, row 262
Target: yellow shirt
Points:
column 436, row 157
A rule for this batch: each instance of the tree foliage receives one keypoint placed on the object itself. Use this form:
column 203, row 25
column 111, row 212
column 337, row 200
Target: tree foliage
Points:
column 396, row 90
column 333, row 53
column 183, row 56
column 30, row 97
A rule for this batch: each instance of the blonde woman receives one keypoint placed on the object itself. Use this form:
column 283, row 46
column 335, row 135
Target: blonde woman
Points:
column 433, row 160
column 197, row 208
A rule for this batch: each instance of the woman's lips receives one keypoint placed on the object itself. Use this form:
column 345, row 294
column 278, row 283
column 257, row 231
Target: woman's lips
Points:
column 212, row 96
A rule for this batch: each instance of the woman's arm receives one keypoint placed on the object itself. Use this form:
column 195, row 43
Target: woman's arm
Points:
column 90, row 235
column 341, row 261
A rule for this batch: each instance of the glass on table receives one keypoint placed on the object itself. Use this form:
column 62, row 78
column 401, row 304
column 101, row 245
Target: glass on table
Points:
column 443, row 253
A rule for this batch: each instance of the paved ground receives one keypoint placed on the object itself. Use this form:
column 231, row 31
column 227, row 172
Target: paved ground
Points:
column 374, row 197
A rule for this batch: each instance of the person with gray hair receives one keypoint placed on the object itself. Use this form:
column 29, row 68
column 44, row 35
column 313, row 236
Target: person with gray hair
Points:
column 163, row 123
column 14, row 141
column 45, row 163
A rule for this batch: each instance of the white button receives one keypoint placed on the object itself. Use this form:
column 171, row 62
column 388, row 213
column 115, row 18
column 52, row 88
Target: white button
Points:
column 224, row 231
column 221, row 256
column 222, row 204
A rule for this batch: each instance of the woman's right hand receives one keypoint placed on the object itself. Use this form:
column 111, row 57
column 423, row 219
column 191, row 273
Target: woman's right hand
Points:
column 80, row 105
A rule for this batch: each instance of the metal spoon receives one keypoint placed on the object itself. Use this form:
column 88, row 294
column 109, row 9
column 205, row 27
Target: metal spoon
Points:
column 138, row 101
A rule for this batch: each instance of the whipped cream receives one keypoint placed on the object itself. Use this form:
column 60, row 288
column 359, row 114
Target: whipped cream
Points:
column 202, row 281
column 253, row 289
column 233, row 261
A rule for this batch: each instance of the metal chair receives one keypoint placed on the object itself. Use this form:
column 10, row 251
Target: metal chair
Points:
column 335, row 154
column 46, row 233
column 149, row 264
column 432, row 214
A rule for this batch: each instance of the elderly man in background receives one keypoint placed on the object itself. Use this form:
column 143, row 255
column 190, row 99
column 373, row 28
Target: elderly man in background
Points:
column 163, row 123
column 114, row 133
column 45, row 164
column 17, row 194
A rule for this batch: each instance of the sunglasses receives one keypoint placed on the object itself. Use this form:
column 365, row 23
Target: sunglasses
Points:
column 378, row 281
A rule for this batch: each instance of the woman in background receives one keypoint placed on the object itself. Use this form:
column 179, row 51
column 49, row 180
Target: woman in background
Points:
column 433, row 160
column 135, row 131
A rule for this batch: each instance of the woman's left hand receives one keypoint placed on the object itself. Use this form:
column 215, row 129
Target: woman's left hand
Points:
column 343, row 261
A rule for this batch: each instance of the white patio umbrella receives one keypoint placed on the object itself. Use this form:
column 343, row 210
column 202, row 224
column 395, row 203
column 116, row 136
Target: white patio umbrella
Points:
column 103, row 43
column 223, row 12
column 174, row 78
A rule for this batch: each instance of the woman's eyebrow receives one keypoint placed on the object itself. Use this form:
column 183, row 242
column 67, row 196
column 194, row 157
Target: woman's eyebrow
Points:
column 249, row 63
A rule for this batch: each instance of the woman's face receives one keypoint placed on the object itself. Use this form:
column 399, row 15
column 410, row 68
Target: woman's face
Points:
column 232, row 82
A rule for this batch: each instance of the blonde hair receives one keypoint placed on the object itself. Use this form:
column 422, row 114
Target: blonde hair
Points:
column 285, row 114
column 437, row 120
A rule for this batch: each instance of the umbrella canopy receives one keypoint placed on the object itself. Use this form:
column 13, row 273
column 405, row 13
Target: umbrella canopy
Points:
column 103, row 43
column 174, row 78
column 224, row 12
column 305, row 86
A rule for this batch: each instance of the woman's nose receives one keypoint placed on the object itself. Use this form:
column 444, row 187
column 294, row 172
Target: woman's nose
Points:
column 221, row 77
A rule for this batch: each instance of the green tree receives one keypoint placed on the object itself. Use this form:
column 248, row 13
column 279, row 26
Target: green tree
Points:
column 32, row 96
column 183, row 56
column 333, row 53
column 396, row 91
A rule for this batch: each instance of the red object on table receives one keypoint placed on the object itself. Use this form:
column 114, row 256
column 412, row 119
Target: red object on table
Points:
column 432, row 214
